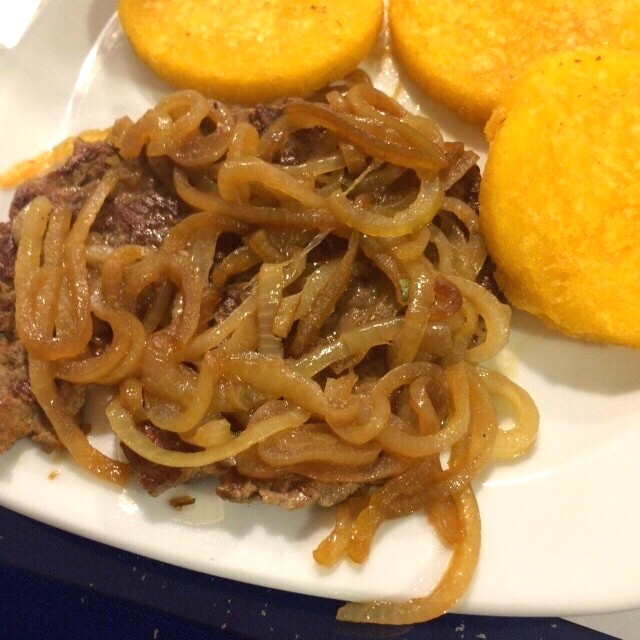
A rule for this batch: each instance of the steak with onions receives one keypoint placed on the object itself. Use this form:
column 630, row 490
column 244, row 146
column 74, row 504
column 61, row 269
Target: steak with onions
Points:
column 141, row 213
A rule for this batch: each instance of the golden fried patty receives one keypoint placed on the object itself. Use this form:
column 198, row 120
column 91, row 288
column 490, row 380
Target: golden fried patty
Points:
column 560, row 197
column 251, row 50
column 465, row 53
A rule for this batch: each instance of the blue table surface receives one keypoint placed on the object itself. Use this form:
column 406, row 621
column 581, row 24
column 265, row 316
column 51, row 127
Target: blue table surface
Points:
column 56, row 585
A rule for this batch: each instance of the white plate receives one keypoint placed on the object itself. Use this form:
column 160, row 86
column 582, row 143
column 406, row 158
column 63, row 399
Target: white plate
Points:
column 560, row 528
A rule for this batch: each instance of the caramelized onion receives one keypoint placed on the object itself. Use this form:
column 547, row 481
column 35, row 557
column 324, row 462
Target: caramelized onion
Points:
column 307, row 314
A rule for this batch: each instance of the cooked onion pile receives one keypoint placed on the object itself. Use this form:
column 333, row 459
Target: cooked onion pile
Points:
column 317, row 315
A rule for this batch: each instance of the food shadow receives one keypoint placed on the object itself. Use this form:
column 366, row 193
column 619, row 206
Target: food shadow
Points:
column 574, row 363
